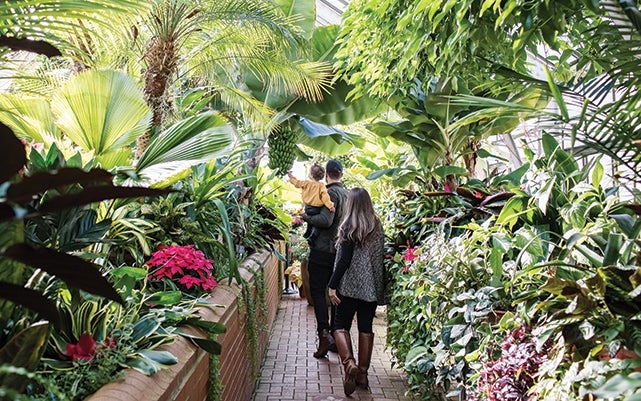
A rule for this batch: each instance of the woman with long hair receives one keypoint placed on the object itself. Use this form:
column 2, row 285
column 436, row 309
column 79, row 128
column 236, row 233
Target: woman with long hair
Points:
column 357, row 285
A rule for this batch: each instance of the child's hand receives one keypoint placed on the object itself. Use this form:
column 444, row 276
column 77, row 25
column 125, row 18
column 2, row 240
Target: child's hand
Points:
column 332, row 209
column 289, row 174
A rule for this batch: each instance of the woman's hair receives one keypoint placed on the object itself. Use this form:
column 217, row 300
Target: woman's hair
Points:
column 317, row 172
column 359, row 218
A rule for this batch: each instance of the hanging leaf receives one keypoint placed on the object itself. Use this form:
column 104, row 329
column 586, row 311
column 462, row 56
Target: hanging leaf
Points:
column 30, row 299
column 29, row 45
column 14, row 157
column 76, row 272
column 96, row 194
column 41, row 181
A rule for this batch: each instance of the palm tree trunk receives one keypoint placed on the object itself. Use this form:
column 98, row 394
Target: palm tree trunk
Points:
column 162, row 62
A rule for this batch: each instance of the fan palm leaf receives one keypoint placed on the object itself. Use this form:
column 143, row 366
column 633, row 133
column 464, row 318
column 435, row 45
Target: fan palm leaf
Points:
column 102, row 112
column 29, row 117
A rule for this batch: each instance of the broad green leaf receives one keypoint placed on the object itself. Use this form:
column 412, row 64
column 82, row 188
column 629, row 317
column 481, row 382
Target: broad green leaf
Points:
column 628, row 224
column 594, row 258
column 30, row 118
column 597, row 175
column 211, row 327
column 414, row 354
column 444, row 171
column 145, row 327
column 165, row 298
column 23, row 350
column 515, row 207
column 209, row 345
column 324, row 43
column 143, row 365
column 613, row 249
column 542, row 196
column 135, row 272
column 165, row 358
column 564, row 161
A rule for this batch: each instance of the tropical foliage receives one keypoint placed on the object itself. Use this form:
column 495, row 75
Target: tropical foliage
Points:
column 510, row 280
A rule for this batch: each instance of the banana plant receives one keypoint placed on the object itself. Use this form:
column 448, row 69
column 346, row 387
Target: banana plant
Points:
column 314, row 119
column 445, row 143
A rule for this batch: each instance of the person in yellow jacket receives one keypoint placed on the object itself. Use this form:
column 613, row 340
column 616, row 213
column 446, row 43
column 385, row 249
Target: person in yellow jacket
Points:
column 314, row 195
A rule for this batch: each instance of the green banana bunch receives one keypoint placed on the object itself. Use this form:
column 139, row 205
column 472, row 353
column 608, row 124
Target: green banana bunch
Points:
column 282, row 150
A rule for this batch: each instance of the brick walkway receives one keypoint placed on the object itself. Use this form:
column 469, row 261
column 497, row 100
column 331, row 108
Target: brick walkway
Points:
column 290, row 372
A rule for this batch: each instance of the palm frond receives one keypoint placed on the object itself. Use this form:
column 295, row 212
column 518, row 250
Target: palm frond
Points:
column 24, row 18
column 186, row 143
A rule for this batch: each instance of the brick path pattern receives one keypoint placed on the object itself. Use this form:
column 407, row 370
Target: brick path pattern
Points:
column 290, row 372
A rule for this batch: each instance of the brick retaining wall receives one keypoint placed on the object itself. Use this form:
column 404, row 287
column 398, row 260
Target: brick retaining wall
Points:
column 188, row 380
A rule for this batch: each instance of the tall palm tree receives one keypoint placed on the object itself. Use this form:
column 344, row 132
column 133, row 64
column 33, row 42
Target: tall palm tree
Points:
column 210, row 43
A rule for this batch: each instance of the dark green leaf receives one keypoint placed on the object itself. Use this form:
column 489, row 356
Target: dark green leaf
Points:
column 32, row 300
column 73, row 270
column 14, row 157
column 161, row 357
column 23, row 350
column 44, row 180
column 211, row 346
column 165, row 298
column 96, row 194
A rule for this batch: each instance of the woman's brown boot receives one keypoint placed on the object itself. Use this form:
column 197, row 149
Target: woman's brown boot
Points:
column 344, row 345
column 365, row 347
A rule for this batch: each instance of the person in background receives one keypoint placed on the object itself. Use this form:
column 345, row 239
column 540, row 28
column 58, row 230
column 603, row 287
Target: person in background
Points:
column 314, row 195
column 322, row 252
column 357, row 285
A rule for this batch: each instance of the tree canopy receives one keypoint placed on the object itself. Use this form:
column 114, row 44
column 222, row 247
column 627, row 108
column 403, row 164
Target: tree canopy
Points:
column 386, row 46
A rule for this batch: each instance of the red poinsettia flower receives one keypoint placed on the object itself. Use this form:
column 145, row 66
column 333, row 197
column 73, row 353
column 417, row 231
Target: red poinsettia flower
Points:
column 184, row 264
column 85, row 348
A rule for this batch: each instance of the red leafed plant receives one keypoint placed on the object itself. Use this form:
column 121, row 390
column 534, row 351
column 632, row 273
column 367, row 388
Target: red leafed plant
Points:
column 510, row 377
column 182, row 264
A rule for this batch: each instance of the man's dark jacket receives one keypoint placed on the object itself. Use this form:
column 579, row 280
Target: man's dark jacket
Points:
column 327, row 223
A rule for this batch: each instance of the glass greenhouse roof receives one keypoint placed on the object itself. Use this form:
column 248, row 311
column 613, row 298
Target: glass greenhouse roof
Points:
column 329, row 11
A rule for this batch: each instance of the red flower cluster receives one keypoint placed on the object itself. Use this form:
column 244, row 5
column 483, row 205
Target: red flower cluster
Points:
column 86, row 346
column 183, row 264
